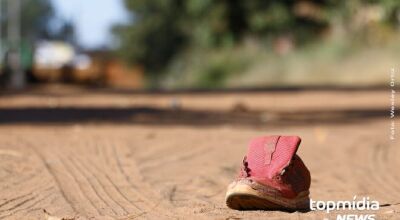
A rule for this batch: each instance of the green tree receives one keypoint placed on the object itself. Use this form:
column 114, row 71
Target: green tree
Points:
column 161, row 29
column 36, row 18
column 156, row 34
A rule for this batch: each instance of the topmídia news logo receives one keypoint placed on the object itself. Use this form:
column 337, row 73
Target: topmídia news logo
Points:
column 362, row 204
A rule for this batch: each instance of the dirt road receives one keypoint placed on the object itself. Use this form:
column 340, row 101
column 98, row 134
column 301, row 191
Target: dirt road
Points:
column 84, row 155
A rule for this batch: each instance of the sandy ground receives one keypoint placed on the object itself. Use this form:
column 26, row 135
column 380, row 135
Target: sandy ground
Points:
column 94, row 155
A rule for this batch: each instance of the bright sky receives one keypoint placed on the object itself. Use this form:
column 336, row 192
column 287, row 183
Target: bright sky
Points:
column 93, row 18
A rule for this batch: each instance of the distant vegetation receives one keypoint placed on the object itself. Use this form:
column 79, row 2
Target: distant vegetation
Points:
column 38, row 21
column 205, row 43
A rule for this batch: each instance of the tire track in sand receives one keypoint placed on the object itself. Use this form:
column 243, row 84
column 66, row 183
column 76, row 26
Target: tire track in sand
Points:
column 99, row 187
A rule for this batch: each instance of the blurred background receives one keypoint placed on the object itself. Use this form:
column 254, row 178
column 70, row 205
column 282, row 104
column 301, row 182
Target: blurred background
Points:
column 143, row 108
column 195, row 44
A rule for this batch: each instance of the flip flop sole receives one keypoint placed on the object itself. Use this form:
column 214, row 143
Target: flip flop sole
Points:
column 241, row 196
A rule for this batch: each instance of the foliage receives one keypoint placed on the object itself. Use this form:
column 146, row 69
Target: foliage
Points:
column 164, row 30
column 36, row 16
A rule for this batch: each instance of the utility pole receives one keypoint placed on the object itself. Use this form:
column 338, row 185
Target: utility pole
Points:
column 17, row 80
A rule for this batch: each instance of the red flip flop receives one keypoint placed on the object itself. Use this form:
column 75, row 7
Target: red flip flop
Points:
column 272, row 177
